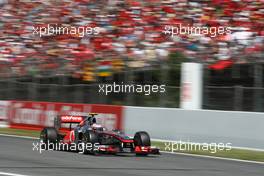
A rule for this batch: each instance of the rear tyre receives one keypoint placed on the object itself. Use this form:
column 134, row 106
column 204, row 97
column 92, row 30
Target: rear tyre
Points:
column 90, row 140
column 142, row 139
column 48, row 137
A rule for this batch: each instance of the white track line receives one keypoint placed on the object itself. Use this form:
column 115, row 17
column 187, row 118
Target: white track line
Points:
column 174, row 153
column 214, row 157
column 233, row 147
column 11, row 174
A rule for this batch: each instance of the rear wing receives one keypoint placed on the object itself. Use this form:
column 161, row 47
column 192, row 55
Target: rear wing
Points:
column 67, row 119
column 71, row 119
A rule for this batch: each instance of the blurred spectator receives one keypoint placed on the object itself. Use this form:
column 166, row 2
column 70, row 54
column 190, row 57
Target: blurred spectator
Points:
column 130, row 31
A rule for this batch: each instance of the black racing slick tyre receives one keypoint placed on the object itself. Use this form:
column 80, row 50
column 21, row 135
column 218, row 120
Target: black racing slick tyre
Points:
column 142, row 138
column 48, row 135
column 90, row 141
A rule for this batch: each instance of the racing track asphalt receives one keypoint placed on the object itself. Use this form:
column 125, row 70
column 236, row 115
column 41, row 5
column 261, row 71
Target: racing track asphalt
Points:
column 17, row 156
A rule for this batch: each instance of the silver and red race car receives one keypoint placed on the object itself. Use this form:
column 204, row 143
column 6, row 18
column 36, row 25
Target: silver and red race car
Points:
column 83, row 134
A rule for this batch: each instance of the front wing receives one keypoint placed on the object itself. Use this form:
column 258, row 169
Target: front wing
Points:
column 137, row 150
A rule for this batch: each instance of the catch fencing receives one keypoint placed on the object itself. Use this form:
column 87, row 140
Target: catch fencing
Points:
column 236, row 98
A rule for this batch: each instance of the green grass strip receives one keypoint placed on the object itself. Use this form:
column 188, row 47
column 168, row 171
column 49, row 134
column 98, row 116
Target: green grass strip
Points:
column 19, row 132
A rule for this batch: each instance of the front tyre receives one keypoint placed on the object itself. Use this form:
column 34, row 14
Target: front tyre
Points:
column 142, row 139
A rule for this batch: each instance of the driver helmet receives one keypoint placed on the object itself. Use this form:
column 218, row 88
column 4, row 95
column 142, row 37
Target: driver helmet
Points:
column 93, row 120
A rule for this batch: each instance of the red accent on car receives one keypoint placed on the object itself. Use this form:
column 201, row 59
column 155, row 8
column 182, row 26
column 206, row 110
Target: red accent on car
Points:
column 109, row 149
column 69, row 137
column 143, row 149
column 137, row 149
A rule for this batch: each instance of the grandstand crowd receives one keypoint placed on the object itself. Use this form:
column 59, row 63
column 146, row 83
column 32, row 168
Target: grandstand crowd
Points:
column 131, row 34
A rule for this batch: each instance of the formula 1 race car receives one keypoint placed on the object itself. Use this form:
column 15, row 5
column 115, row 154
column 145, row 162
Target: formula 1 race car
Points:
column 88, row 137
